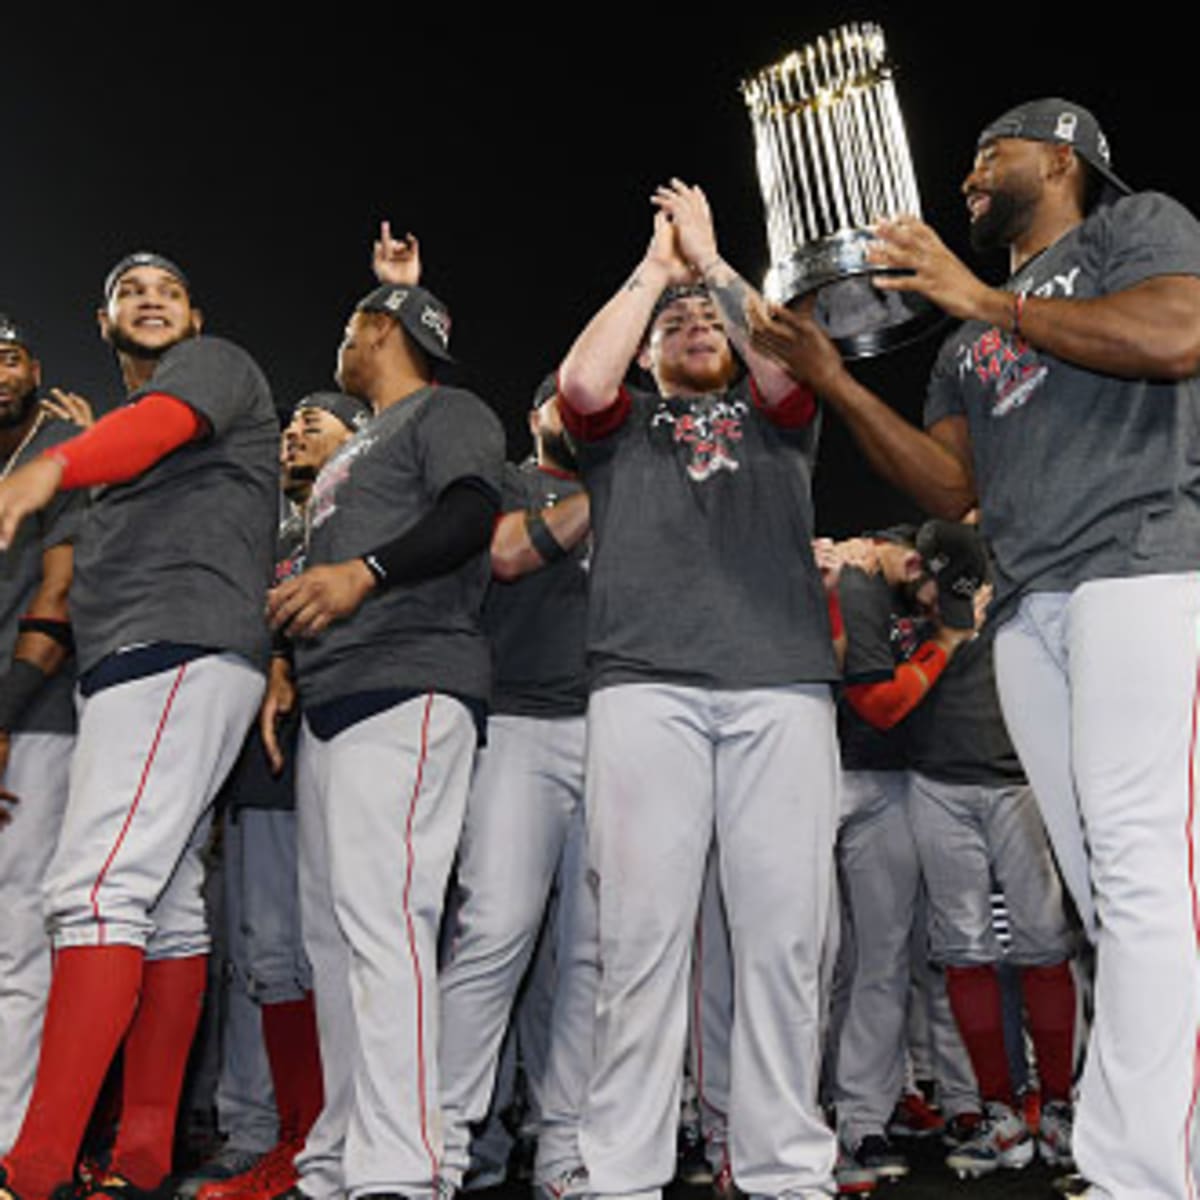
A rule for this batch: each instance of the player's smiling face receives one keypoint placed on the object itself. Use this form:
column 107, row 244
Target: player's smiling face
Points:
column 19, row 379
column 312, row 435
column 687, row 350
column 148, row 312
column 1003, row 190
column 308, row 442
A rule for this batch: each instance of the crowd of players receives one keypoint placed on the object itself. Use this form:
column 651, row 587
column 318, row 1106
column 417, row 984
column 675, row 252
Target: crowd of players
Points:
column 603, row 763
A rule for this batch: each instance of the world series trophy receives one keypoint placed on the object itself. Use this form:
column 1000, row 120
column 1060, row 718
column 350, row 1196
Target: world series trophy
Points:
column 833, row 160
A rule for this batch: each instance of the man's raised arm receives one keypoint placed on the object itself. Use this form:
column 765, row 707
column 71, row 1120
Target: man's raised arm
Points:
column 735, row 299
column 595, row 366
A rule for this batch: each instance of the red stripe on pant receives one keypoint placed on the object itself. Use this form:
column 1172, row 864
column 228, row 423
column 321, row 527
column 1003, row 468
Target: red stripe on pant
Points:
column 1189, row 832
column 94, row 896
column 412, row 938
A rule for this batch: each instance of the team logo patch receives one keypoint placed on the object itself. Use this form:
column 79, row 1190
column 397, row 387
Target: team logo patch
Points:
column 395, row 300
column 323, row 502
column 1065, row 128
column 905, row 635
column 1007, row 366
column 707, row 433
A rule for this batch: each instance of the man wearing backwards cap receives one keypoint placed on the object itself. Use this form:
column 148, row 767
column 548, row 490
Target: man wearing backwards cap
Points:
column 1068, row 404
column 710, row 712
column 393, row 669
column 37, row 722
column 166, row 604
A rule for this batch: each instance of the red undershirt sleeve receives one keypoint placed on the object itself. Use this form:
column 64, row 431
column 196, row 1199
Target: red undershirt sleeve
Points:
column 837, row 626
column 128, row 441
column 591, row 427
column 888, row 702
column 793, row 411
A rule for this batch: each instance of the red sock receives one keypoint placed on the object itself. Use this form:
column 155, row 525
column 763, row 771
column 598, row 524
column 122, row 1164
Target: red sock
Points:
column 156, row 1054
column 975, row 1000
column 1049, row 994
column 93, row 993
column 290, row 1034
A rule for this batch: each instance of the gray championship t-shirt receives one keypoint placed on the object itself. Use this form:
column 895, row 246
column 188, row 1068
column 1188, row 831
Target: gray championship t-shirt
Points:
column 538, row 623
column 183, row 552
column 957, row 733
column 702, row 568
column 52, row 710
column 1081, row 475
column 423, row 636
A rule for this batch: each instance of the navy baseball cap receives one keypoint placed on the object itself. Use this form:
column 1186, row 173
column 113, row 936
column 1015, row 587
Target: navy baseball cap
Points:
column 677, row 291
column 143, row 258
column 352, row 413
column 419, row 312
column 13, row 335
column 954, row 555
column 1061, row 122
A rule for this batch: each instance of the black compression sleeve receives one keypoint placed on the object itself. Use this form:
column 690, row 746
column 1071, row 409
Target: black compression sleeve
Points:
column 458, row 526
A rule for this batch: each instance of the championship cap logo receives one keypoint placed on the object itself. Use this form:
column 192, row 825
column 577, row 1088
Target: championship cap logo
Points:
column 395, row 300
column 1065, row 128
column 438, row 321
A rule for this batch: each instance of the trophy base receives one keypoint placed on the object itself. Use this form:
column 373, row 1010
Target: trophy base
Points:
column 862, row 320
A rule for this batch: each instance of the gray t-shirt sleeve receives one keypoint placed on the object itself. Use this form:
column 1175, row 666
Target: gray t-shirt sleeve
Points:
column 943, row 397
column 459, row 437
column 209, row 375
column 1140, row 237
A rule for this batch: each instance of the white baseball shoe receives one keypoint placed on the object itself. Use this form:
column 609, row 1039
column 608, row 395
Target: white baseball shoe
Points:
column 565, row 1186
column 1003, row 1140
column 1054, row 1134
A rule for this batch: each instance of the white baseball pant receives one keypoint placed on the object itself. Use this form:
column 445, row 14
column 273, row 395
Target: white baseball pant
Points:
column 1099, row 689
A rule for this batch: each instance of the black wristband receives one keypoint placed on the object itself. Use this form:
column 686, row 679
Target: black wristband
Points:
column 377, row 569
column 18, row 686
column 544, row 542
column 60, row 631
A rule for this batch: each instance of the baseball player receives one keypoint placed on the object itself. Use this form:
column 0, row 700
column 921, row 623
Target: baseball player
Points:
column 166, row 606
column 710, row 712
column 528, row 782
column 974, row 818
column 37, row 722
column 894, row 658
column 262, row 909
column 393, row 671
column 1067, row 402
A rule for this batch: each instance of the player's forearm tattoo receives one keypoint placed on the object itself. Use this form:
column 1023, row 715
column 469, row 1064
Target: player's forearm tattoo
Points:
column 731, row 293
column 634, row 281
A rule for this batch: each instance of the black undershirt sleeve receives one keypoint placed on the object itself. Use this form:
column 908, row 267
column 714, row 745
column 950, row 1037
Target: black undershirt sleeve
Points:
column 457, row 527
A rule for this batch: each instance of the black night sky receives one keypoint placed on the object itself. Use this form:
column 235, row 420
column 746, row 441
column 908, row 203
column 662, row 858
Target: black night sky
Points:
column 262, row 155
